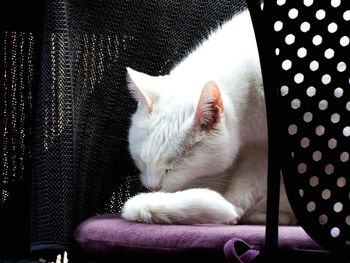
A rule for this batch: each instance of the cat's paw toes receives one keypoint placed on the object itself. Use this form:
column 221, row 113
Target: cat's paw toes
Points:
column 136, row 209
column 233, row 221
column 145, row 208
column 235, row 216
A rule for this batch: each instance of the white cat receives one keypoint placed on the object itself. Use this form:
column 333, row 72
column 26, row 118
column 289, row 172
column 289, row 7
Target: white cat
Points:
column 199, row 136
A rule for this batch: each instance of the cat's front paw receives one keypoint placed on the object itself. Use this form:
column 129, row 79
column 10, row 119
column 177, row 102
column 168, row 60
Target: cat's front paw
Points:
column 145, row 208
column 192, row 206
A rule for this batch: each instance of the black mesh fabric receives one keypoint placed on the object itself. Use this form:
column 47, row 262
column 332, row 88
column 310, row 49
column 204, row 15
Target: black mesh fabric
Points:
column 18, row 79
column 15, row 134
column 71, row 98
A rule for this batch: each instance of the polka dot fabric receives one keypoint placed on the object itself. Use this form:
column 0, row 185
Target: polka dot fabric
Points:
column 309, row 64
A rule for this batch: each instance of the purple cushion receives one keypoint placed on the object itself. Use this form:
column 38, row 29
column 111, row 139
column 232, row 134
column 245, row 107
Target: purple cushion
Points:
column 111, row 235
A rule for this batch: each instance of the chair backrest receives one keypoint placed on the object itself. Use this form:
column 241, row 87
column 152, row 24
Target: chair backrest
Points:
column 304, row 48
column 81, row 164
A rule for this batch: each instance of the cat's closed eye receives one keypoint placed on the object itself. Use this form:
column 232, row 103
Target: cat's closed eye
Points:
column 169, row 170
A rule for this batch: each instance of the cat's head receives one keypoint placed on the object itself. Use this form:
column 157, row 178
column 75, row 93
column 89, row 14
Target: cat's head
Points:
column 178, row 133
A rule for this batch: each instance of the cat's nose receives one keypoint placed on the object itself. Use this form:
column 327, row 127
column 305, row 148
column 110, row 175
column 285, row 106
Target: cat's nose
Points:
column 153, row 188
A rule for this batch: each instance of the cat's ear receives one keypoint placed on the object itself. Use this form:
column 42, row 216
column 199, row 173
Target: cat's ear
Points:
column 141, row 86
column 210, row 107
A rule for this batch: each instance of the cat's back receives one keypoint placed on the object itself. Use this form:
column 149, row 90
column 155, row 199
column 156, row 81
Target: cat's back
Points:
column 229, row 47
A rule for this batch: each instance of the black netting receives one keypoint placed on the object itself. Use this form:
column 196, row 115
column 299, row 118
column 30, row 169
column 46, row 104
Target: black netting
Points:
column 63, row 82
column 17, row 52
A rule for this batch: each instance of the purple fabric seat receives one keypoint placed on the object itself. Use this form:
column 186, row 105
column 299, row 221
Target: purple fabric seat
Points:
column 109, row 236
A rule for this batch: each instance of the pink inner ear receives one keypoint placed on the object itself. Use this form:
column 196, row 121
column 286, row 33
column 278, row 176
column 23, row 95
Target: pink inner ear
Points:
column 145, row 100
column 210, row 107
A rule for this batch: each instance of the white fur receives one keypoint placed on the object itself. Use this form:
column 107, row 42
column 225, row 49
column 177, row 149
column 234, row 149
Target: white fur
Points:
column 159, row 207
column 184, row 162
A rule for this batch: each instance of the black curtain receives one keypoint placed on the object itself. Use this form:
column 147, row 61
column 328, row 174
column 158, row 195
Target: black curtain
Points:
column 20, row 35
column 65, row 108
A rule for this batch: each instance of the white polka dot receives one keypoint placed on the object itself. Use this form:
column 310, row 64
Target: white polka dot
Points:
column 290, row 39
column 344, row 41
column 308, row 2
column 311, row 91
column 344, row 157
column 346, row 15
column 298, row 78
column 295, row 104
column 335, row 231
column 341, row 182
column 326, row 194
column 335, row 118
column 284, row 90
column 332, row 143
column 317, row 40
column 323, row 104
column 292, row 129
column 317, row 156
column 332, row 27
column 293, row 13
column 314, row 181
column 341, row 66
column 320, row 14
column 335, row 3
column 311, row 206
column 307, row 116
column 287, row 64
column 323, row 219
column 314, row 65
column 281, row 2
column 278, row 26
column 305, row 142
column 302, row 52
column 346, row 131
column 326, row 79
column 304, row 27
column 320, row 130
column 338, row 207
column 302, row 168
column 329, row 53
column 338, row 92
column 329, row 169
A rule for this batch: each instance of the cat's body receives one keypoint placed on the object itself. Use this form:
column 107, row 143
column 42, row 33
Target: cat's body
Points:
column 203, row 127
